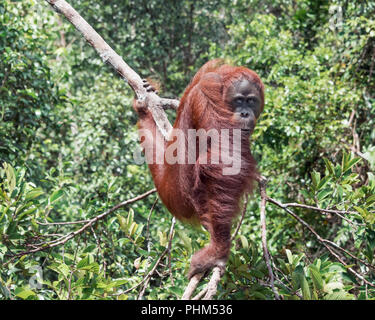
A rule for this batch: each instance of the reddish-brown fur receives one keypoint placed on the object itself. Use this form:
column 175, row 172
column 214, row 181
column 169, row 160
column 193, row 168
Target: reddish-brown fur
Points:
column 200, row 192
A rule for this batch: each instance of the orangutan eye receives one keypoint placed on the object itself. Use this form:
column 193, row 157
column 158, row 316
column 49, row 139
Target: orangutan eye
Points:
column 239, row 100
column 251, row 100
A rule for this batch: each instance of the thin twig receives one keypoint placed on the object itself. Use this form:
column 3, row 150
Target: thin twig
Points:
column 336, row 212
column 262, row 187
column 241, row 219
column 62, row 223
column 153, row 269
column 97, row 239
column 72, row 269
column 148, row 226
column 170, row 256
column 168, row 249
column 148, row 241
column 305, row 206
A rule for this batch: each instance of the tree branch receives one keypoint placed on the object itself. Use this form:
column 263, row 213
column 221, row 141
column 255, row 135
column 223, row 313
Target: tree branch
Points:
column 241, row 219
column 91, row 222
column 326, row 243
column 155, row 104
column 193, row 284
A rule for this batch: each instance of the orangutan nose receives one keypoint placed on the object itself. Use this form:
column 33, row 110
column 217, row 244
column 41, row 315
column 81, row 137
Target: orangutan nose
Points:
column 245, row 114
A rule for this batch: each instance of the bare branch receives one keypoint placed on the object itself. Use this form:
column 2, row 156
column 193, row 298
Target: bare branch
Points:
column 97, row 239
column 262, row 187
column 241, row 219
column 148, row 226
column 62, row 223
column 326, row 243
column 212, row 285
column 340, row 213
column 208, row 291
column 65, row 238
column 200, row 294
column 193, row 284
column 305, row 206
column 72, row 269
column 167, row 250
column 169, row 103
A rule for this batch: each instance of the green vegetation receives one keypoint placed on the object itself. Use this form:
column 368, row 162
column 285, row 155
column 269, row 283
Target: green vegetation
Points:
column 68, row 134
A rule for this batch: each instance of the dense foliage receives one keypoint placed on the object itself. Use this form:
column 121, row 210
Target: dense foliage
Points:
column 68, row 135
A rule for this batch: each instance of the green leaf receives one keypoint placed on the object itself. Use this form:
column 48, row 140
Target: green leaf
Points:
column 370, row 200
column 34, row 193
column 298, row 258
column 92, row 267
column 306, row 195
column 83, row 263
column 11, row 177
column 117, row 283
column 163, row 240
column 305, row 288
column 324, row 194
column 338, row 171
column 130, row 218
column 323, row 182
column 25, row 213
column 139, row 232
column 316, row 277
column 315, row 176
column 289, row 255
column 329, row 166
column 301, row 281
column 186, row 241
column 256, row 273
column 20, row 173
column 318, row 263
column 64, row 269
column 351, row 163
column 259, row 295
column 338, row 295
column 56, row 195
column 344, row 162
column 133, row 229
column 368, row 216
column 244, row 242
column 24, row 293
column 340, row 193
column 122, row 222
column 371, row 179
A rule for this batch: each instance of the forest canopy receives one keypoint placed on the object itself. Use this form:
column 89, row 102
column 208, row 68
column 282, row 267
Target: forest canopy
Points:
column 68, row 137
